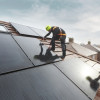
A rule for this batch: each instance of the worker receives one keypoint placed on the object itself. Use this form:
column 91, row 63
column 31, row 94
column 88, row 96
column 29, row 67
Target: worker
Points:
column 58, row 34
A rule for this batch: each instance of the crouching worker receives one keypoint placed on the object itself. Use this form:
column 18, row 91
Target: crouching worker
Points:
column 58, row 34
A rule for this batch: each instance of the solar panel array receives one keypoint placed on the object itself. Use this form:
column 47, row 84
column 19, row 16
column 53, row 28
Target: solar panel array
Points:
column 22, row 29
column 26, row 30
column 41, row 33
column 30, row 71
column 46, row 83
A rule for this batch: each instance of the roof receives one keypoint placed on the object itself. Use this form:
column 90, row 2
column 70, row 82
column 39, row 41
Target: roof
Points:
column 28, row 70
column 80, row 49
column 96, row 48
column 93, row 48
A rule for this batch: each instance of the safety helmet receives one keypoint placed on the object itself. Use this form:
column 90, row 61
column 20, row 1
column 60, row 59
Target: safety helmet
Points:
column 48, row 27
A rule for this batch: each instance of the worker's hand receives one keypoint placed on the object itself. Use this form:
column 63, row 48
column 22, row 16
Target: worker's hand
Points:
column 43, row 38
column 41, row 44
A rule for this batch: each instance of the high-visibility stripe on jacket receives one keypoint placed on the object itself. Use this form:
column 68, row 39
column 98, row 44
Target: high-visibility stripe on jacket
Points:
column 61, row 33
column 54, row 27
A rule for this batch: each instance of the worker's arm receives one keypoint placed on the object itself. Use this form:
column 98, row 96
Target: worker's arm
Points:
column 47, row 34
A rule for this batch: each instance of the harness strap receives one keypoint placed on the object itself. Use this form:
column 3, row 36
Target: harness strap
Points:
column 54, row 27
column 60, row 31
column 61, row 34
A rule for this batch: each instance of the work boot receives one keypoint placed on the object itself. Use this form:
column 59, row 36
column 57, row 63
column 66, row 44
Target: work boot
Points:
column 62, row 57
column 63, row 54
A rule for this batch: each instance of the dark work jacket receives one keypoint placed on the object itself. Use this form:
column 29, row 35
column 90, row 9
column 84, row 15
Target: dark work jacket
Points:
column 55, row 30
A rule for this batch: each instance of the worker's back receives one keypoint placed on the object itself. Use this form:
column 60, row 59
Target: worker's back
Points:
column 56, row 30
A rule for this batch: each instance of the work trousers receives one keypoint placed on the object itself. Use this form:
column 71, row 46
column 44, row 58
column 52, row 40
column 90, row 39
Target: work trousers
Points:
column 62, row 40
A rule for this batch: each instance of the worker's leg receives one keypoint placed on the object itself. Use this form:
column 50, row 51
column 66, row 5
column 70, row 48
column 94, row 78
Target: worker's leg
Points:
column 62, row 39
column 52, row 43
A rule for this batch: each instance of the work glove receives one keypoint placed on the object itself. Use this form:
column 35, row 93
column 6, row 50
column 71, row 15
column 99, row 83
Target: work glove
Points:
column 43, row 38
column 41, row 44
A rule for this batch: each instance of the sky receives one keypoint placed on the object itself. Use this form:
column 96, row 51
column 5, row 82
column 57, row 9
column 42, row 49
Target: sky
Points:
column 79, row 18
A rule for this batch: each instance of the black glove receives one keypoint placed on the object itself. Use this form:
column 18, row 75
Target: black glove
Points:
column 44, row 38
column 41, row 44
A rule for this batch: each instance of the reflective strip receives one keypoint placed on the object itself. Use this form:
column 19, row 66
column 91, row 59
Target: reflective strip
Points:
column 61, row 32
column 54, row 27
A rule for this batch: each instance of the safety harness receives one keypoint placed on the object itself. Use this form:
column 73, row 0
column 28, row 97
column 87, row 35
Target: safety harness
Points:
column 61, row 34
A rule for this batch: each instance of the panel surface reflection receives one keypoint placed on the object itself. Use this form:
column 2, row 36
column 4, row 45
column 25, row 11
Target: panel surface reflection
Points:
column 41, row 83
column 97, row 67
column 37, row 52
column 81, row 74
column 11, row 56
column 91, row 63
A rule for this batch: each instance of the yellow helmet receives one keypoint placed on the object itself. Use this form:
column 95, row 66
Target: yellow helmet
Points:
column 48, row 27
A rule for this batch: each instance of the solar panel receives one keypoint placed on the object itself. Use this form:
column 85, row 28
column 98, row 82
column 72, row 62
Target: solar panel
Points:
column 39, row 54
column 91, row 63
column 2, row 28
column 41, row 32
column 41, row 83
column 97, row 67
column 81, row 74
column 11, row 56
column 83, row 59
column 22, row 29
